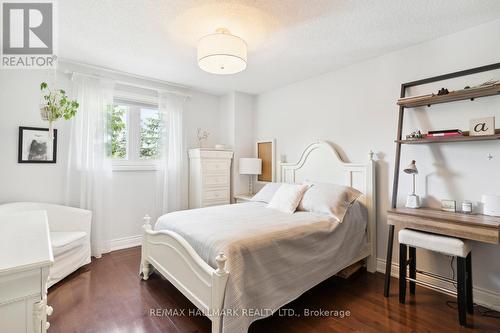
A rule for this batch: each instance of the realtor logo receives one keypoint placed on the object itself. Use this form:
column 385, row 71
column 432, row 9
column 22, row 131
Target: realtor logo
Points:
column 28, row 34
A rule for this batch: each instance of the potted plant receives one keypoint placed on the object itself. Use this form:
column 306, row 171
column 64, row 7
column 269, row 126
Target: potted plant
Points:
column 55, row 106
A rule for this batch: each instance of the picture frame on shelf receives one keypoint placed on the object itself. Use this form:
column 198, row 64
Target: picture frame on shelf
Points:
column 265, row 150
column 36, row 146
column 482, row 126
column 449, row 206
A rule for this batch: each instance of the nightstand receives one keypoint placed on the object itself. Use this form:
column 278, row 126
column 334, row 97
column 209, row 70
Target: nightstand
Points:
column 240, row 198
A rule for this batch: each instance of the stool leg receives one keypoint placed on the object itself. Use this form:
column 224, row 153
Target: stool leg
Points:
column 413, row 268
column 402, row 273
column 462, row 290
column 468, row 267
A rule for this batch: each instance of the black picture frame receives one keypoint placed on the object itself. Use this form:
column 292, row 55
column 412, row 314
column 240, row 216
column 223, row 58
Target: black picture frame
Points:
column 21, row 154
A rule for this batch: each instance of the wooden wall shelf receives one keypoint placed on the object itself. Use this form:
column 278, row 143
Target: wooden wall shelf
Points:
column 458, row 95
column 464, row 138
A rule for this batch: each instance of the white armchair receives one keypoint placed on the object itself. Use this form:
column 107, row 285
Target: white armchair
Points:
column 69, row 234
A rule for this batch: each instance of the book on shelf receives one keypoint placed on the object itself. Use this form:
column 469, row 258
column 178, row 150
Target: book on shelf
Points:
column 444, row 133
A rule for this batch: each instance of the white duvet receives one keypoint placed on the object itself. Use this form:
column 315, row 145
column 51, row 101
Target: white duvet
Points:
column 273, row 257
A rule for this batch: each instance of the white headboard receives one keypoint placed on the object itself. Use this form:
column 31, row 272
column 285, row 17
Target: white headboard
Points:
column 321, row 162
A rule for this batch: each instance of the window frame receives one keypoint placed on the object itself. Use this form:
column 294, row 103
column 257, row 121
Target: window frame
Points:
column 133, row 162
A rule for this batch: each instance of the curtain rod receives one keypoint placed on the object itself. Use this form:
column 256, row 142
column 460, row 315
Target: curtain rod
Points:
column 127, row 83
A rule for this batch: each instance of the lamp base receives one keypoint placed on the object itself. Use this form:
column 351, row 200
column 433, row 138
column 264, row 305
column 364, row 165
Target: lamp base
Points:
column 413, row 201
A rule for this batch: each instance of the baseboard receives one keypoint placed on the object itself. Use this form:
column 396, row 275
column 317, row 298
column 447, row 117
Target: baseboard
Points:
column 124, row 243
column 481, row 296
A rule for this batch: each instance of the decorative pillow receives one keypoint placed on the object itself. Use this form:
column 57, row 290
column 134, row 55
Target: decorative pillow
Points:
column 331, row 199
column 266, row 193
column 287, row 197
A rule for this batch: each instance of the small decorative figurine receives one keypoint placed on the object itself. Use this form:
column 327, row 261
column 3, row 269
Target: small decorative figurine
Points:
column 443, row 91
column 414, row 135
column 202, row 135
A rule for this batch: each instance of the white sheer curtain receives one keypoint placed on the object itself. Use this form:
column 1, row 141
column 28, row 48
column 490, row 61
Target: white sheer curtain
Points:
column 173, row 183
column 89, row 167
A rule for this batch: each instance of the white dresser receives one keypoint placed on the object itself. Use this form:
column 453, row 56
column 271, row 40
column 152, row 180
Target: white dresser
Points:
column 209, row 177
column 25, row 258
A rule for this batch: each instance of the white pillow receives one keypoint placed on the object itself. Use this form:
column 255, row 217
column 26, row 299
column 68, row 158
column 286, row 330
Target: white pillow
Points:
column 331, row 199
column 287, row 197
column 266, row 193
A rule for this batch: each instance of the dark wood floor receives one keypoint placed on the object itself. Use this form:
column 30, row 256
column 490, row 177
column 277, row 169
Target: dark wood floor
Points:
column 107, row 296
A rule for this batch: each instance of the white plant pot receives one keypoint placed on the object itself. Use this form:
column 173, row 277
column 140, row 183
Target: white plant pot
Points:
column 44, row 112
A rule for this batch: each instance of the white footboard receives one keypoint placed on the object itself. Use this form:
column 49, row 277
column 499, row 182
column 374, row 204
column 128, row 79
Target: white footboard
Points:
column 177, row 261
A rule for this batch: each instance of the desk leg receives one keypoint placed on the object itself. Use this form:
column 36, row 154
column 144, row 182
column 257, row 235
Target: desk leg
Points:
column 388, row 261
column 413, row 268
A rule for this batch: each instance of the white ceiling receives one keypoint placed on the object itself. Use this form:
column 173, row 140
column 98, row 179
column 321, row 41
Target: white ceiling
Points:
column 288, row 40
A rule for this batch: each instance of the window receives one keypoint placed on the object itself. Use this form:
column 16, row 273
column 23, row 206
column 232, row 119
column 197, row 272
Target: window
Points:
column 119, row 132
column 150, row 134
column 136, row 132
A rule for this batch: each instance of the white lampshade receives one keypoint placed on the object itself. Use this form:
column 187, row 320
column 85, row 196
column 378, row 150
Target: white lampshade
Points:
column 250, row 166
column 222, row 53
column 411, row 168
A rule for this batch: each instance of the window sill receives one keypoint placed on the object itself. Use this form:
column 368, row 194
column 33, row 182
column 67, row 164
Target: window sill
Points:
column 136, row 167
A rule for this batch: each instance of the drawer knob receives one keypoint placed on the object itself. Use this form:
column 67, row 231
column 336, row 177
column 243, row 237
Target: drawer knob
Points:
column 50, row 310
column 47, row 325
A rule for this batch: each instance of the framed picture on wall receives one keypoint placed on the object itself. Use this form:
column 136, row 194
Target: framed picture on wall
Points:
column 35, row 146
column 266, row 152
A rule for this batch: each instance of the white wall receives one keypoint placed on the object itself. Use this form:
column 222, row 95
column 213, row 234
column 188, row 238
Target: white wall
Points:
column 355, row 108
column 19, row 100
column 237, row 130
column 133, row 192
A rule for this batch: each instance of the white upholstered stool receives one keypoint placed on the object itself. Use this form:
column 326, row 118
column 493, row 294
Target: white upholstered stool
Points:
column 443, row 244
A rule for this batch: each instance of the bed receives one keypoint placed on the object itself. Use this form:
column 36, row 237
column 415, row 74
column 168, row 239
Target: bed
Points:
column 239, row 263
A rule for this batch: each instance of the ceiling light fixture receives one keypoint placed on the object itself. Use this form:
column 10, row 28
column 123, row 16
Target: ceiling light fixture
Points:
column 222, row 53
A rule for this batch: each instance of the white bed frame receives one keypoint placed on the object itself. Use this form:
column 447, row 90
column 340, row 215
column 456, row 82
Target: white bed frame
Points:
column 204, row 286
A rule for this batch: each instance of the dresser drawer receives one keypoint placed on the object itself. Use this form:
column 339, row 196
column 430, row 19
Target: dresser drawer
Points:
column 216, row 166
column 216, row 180
column 19, row 285
column 216, row 194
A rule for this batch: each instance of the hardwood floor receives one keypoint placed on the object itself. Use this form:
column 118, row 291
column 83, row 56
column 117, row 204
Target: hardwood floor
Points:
column 108, row 296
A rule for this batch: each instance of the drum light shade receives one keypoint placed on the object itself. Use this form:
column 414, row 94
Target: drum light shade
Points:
column 222, row 53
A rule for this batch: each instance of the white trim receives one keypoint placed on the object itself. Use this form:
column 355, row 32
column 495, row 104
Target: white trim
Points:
column 487, row 298
column 134, row 166
column 124, row 243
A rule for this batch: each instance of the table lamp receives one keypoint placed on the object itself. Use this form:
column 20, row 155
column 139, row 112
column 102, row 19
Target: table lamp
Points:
column 413, row 200
column 250, row 166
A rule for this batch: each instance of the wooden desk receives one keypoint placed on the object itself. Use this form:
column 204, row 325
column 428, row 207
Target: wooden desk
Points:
column 481, row 228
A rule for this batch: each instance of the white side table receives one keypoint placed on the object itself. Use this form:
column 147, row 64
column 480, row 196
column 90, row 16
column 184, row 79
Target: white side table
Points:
column 241, row 198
